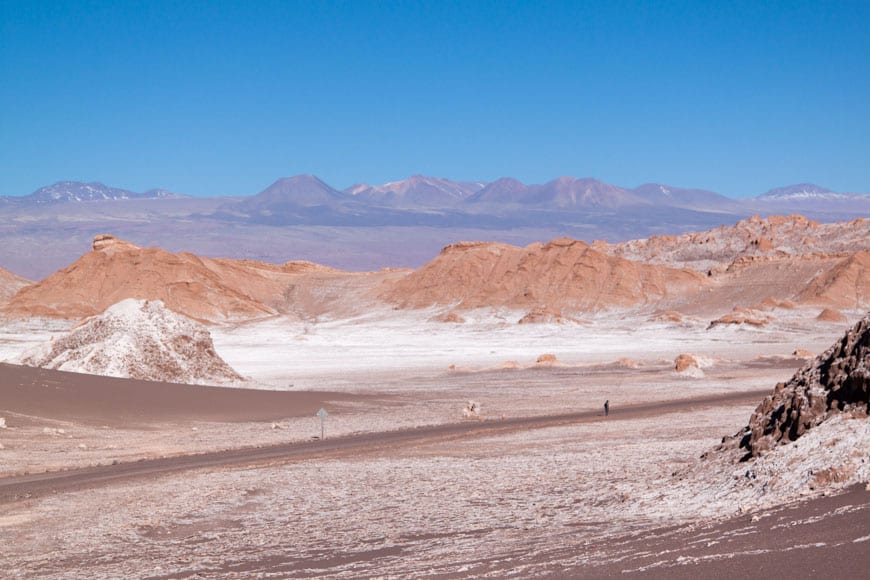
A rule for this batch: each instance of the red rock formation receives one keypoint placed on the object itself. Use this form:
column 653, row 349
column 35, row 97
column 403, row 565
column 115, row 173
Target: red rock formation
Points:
column 544, row 315
column 846, row 285
column 564, row 274
column 782, row 235
column 740, row 316
column 830, row 315
column 684, row 362
column 204, row 289
column 451, row 317
column 114, row 270
column 667, row 316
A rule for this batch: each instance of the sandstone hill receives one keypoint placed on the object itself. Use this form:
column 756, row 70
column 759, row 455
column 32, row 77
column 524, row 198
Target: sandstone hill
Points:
column 756, row 266
column 563, row 274
column 797, row 262
column 115, row 270
column 837, row 382
column 204, row 289
column 136, row 339
column 846, row 285
column 756, row 236
column 769, row 282
column 10, row 284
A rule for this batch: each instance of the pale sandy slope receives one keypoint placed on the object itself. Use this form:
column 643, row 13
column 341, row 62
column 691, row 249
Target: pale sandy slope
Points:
column 10, row 284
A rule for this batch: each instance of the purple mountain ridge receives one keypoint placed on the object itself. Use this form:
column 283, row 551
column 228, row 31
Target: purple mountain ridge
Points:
column 77, row 191
column 300, row 191
column 570, row 192
column 560, row 193
column 439, row 202
column 799, row 191
column 417, row 190
column 682, row 197
column 505, row 190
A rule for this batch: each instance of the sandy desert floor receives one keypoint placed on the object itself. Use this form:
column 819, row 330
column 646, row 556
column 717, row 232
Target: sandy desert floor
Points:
column 593, row 496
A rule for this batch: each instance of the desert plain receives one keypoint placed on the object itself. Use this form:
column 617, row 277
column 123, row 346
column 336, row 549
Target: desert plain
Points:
column 465, row 433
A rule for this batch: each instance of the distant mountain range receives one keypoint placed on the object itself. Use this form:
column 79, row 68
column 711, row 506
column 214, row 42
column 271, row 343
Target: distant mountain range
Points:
column 76, row 191
column 371, row 226
column 425, row 193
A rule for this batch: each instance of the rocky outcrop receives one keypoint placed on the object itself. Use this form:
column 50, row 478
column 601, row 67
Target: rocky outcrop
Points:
column 685, row 362
column 836, row 382
column 109, row 243
column 771, row 303
column 689, row 366
column 136, row 339
column 831, row 315
column 740, row 316
column 667, row 316
column 544, row 315
column 449, row 317
column 754, row 236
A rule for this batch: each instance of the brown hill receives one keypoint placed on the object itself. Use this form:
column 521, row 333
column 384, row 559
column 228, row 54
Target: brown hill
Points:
column 204, row 289
column 563, row 274
column 781, row 281
column 10, row 284
column 115, row 270
column 846, row 285
column 775, row 235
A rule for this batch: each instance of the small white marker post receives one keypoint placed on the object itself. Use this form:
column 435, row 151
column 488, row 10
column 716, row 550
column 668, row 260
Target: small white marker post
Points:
column 322, row 414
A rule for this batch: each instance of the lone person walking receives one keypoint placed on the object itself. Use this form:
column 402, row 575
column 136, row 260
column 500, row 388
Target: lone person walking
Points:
column 607, row 407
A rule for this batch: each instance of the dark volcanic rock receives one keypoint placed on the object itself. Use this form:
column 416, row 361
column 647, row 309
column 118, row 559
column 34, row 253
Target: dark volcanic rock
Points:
column 837, row 381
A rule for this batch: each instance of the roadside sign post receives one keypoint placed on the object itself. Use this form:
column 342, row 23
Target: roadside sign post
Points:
column 322, row 414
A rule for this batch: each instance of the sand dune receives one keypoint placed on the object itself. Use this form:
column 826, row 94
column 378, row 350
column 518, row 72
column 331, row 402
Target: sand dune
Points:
column 57, row 395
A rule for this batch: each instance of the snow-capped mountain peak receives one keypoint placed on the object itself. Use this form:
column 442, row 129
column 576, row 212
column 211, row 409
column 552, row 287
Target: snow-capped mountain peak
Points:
column 77, row 191
column 801, row 191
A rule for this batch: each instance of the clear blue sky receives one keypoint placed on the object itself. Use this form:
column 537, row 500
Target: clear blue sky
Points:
column 218, row 98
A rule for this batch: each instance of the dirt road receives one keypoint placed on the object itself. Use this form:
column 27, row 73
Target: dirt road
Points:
column 36, row 485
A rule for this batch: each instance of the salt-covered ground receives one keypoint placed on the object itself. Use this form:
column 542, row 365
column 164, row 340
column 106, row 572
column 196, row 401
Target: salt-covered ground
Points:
column 18, row 335
column 344, row 353
column 283, row 353
column 493, row 505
